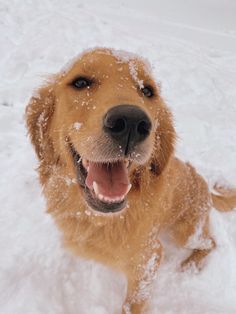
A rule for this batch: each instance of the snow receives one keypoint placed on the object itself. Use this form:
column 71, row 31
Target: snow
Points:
column 191, row 46
column 134, row 74
column 77, row 125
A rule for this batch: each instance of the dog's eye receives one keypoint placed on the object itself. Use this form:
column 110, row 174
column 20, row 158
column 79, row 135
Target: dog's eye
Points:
column 147, row 91
column 81, row 82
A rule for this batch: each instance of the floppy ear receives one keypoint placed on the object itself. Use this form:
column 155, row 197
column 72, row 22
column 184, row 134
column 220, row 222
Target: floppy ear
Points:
column 165, row 138
column 38, row 115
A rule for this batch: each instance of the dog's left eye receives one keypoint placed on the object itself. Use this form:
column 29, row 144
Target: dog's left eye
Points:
column 147, row 91
column 81, row 82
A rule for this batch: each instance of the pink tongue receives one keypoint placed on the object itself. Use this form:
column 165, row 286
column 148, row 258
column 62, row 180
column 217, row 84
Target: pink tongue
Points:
column 112, row 179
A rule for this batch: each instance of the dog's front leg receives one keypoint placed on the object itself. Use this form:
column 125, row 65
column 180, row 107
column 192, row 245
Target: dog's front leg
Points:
column 140, row 273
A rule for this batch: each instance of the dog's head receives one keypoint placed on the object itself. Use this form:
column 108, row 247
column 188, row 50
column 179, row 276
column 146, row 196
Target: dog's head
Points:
column 104, row 117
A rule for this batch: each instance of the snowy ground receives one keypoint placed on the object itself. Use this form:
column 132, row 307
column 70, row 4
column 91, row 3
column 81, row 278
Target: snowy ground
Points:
column 192, row 46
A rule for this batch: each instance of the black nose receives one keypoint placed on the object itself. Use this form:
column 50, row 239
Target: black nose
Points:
column 128, row 125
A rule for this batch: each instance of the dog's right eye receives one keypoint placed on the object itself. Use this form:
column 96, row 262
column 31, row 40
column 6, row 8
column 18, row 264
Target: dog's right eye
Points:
column 81, row 82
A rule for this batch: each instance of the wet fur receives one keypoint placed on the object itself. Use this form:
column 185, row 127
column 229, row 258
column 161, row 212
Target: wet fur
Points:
column 166, row 192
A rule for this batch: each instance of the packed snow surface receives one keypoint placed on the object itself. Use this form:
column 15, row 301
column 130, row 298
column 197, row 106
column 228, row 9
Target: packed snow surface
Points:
column 192, row 48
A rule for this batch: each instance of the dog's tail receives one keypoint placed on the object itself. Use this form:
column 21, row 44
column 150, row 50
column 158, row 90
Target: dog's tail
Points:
column 224, row 199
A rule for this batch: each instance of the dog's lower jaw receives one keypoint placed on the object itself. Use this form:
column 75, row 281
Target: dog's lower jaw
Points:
column 100, row 214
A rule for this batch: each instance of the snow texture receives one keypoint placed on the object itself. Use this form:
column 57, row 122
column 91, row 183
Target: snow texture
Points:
column 77, row 125
column 192, row 49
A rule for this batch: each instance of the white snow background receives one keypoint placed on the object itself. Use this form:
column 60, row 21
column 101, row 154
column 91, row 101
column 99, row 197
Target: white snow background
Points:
column 192, row 47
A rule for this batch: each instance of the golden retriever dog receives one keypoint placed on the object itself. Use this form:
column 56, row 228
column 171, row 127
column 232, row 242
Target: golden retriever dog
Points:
column 105, row 142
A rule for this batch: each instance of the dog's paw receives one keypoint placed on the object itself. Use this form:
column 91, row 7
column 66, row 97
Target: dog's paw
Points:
column 190, row 267
column 195, row 262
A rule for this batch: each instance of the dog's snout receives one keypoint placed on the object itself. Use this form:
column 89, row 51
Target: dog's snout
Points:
column 127, row 124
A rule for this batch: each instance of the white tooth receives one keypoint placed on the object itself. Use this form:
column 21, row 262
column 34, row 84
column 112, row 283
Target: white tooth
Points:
column 95, row 188
column 110, row 200
column 101, row 197
column 129, row 187
column 107, row 199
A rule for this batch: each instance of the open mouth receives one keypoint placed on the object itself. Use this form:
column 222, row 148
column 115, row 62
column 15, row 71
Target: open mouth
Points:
column 105, row 184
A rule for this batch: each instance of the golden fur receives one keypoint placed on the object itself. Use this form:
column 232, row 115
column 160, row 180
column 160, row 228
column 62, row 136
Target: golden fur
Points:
column 166, row 193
